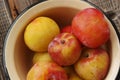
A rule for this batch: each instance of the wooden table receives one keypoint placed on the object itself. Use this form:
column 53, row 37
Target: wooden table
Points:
column 10, row 9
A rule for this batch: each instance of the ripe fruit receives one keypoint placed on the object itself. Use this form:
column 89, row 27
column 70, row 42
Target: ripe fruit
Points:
column 46, row 71
column 64, row 49
column 41, row 57
column 93, row 64
column 39, row 33
column 67, row 29
column 72, row 75
column 90, row 27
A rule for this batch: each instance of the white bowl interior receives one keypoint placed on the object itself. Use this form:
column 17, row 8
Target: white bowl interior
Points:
column 18, row 57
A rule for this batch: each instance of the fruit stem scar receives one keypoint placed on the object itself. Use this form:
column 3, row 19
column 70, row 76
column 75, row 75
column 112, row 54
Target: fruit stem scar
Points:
column 62, row 41
column 86, row 55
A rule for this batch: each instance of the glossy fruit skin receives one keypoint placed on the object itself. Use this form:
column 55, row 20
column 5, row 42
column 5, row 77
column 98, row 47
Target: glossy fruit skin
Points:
column 67, row 29
column 46, row 71
column 39, row 33
column 93, row 64
column 65, row 49
column 91, row 27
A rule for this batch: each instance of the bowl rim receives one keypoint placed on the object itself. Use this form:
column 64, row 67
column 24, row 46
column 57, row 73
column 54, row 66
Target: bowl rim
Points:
column 6, row 74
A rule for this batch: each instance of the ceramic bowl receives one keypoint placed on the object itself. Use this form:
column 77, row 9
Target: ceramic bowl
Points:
column 16, row 55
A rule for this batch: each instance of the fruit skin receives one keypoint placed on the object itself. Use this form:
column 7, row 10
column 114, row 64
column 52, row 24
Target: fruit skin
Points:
column 67, row 29
column 72, row 75
column 93, row 64
column 65, row 49
column 90, row 27
column 41, row 57
column 39, row 33
column 46, row 71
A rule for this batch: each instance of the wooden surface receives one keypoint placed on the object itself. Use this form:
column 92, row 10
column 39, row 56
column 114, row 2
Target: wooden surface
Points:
column 16, row 6
column 10, row 9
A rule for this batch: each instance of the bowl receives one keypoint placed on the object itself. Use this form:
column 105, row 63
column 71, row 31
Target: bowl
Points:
column 16, row 55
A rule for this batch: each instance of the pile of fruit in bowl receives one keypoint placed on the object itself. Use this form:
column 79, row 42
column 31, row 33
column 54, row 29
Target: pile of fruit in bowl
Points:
column 76, row 51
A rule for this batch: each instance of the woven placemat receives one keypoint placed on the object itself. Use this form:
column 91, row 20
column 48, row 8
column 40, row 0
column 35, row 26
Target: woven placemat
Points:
column 111, row 7
column 5, row 21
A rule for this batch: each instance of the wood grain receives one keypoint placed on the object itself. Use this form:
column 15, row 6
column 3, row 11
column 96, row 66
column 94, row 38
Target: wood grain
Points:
column 13, row 9
column 16, row 6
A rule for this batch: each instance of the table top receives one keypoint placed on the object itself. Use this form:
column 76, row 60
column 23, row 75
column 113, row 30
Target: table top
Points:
column 10, row 9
